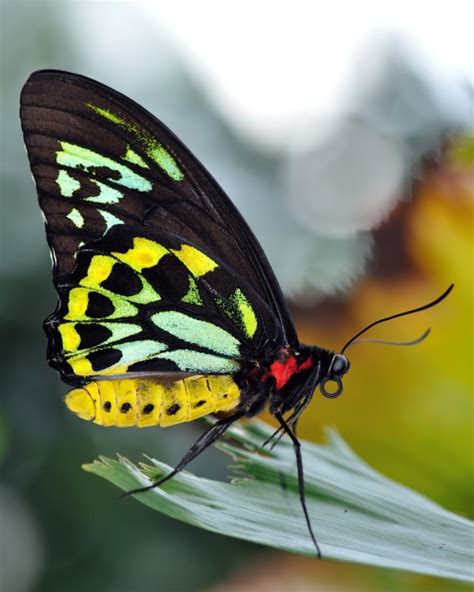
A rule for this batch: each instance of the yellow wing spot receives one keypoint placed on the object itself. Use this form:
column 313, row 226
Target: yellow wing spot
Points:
column 247, row 312
column 134, row 158
column 197, row 263
column 114, row 370
column 70, row 337
column 77, row 304
column 81, row 367
column 99, row 270
column 144, row 253
column 249, row 319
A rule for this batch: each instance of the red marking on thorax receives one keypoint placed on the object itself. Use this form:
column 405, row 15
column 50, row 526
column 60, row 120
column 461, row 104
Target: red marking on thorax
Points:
column 306, row 364
column 283, row 370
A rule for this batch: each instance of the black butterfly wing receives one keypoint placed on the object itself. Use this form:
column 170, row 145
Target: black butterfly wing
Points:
column 100, row 159
column 155, row 269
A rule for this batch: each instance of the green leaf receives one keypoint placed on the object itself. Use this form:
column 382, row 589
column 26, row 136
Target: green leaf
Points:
column 357, row 514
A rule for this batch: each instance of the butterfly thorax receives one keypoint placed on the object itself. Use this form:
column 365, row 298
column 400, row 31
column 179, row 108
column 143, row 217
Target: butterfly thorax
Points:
column 281, row 380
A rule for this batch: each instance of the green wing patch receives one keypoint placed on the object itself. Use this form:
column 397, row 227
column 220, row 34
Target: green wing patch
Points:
column 78, row 157
column 84, row 188
column 154, row 150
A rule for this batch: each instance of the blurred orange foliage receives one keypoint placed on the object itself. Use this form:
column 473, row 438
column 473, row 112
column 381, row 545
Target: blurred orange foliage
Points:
column 408, row 410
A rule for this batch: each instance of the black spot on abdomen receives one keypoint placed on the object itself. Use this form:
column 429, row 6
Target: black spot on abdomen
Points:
column 173, row 409
column 148, row 408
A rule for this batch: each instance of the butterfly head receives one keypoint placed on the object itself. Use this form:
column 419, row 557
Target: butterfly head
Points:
column 339, row 364
column 338, row 367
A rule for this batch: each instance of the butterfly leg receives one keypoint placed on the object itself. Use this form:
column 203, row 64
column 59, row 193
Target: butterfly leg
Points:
column 299, row 465
column 209, row 437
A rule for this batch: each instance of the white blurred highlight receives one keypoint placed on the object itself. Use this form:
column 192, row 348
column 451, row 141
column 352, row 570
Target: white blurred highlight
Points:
column 347, row 181
column 331, row 106
column 273, row 68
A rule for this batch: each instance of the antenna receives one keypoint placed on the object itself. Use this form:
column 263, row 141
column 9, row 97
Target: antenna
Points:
column 400, row 314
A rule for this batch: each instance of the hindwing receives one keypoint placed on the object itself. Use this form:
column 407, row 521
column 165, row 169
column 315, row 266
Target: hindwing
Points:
column 142, row 302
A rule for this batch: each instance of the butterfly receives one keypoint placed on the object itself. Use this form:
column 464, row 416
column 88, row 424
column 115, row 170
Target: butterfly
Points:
column 168, row 309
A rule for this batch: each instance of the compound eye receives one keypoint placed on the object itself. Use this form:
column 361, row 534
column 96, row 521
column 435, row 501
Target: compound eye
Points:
column 340, row 365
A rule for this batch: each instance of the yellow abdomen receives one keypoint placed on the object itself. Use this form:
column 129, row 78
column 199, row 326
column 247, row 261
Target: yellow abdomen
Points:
column 145, row 402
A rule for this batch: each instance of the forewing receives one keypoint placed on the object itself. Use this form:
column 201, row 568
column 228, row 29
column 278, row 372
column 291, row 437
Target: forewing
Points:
column 101, row 161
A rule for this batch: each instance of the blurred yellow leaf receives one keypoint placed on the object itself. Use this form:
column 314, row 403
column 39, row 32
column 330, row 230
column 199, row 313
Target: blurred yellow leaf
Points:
column 408, row 411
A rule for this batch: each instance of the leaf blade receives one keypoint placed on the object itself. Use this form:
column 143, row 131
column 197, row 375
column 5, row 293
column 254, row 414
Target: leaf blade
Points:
column 358, row 515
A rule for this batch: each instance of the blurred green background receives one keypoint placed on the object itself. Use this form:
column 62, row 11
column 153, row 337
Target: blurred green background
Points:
column 364, row 206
